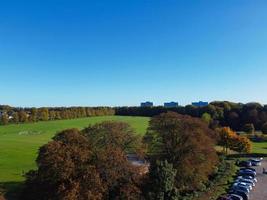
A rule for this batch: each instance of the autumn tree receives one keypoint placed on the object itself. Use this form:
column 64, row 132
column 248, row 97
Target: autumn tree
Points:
column 74, row 166
column 34, row 115
column 113, row 134
column 43, row 114
column 226, row 135
column 185, row 142
column 230, row 140
column 65, row 170
column 241, row 144
column 15, row 117
column 23, row 117
column 4, row 119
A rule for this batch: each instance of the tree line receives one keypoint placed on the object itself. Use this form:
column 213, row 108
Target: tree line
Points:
column 237, row 116
column 10, row 115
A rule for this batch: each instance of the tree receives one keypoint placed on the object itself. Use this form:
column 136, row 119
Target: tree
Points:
column 23, row 117
column 15, row 118
column 249, row 128
column 226, row 135
column 112, row 134
column 206, row 118
column 4, row 119
column 162, row 181
column 230, row 140
column 71, row 168
column 264, row 128
column 241, row 144
column 65, row 170
column 44, row 114
column 33, row 115
column 185, row 142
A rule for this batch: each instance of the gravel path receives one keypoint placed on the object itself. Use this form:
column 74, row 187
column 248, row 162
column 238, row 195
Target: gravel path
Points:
column 260, row 191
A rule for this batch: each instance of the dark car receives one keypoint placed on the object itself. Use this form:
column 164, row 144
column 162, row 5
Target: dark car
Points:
column 248, row 168
column 244, row 195
column 235, row 197
column 245, row 163
column 249, row 178
column 253, row 184
column 241, row 188
column 247, row 173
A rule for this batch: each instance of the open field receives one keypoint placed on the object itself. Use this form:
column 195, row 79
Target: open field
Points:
column 19, row 143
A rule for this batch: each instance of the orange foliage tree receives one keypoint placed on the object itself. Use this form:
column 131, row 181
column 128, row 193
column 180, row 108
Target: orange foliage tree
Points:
column 230, row 140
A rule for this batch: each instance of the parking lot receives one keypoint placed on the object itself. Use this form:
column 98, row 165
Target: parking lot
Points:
column 260, row 191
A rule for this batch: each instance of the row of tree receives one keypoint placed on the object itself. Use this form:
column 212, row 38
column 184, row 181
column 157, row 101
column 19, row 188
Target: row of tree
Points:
column 93, row 164
column 235, row 115
column 24, row 115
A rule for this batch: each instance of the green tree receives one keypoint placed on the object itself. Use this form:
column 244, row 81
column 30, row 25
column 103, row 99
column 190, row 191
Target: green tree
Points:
column 206, row 118
column 162, row 181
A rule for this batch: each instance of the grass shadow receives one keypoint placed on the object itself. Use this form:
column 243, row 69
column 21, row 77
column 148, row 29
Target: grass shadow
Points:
column 11, row 190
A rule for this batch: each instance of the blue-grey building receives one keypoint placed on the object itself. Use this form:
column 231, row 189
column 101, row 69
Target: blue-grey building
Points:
column 200, row 104
column 171, row 104
column 147, row 104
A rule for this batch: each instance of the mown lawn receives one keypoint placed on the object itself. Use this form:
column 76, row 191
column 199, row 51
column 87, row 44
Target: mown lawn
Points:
column 19, row 144
column 259, row 147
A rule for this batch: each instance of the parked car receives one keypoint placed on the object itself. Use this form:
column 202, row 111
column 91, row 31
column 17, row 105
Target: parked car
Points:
column 235, row 197
column 243, row 173
column 243, row 184
column 241, row 188
column 246, row 163
column 255, row 162
column 244, row 195
column 251, row 182
column 248, row 168
column 249, row 178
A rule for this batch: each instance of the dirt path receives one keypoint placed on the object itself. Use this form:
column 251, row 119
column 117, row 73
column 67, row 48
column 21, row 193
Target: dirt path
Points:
column 260, row 191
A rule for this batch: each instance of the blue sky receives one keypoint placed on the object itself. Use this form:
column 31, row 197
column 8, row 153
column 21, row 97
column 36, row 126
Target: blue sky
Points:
column 63, row 53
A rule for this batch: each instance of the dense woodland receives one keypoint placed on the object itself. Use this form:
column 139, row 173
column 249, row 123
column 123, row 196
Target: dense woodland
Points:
column 240, row 117
column 237, row 116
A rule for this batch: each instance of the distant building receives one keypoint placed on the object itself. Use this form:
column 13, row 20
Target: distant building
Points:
column 171, row 104
column 147, row 104
column 200, row 104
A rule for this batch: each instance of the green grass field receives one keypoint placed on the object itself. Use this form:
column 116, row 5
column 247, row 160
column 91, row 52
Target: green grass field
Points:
column 19, row 144
column 259, row 147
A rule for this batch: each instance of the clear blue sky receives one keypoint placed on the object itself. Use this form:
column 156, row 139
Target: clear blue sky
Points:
column 63, row 53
